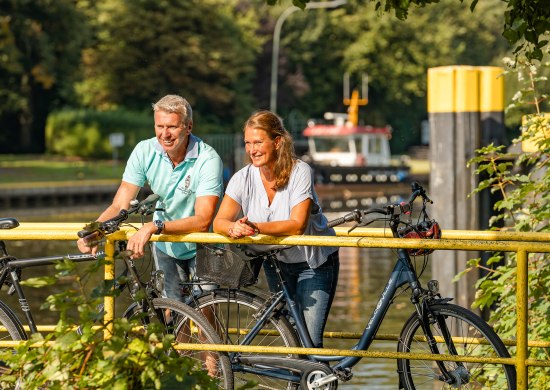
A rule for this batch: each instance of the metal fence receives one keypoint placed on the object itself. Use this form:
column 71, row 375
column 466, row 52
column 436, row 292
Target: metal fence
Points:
column 520, row 243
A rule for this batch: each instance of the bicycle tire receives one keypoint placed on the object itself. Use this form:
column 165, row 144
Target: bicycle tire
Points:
column 13, row 328
column 185, row 321
column 422, row 374
column 242, row 306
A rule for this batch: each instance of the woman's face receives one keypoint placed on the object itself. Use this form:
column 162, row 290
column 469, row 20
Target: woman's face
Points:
column 260, row 148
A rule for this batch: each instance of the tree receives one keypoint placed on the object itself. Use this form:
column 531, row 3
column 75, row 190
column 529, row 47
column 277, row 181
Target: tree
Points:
column 148, row 48
column 526, row 23
column 40, row 46
column 318, row 46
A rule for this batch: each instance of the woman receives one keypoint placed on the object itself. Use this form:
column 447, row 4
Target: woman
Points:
column 274, row 195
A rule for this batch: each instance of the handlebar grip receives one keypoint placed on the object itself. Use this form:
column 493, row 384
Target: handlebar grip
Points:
column 84, row 233
column 149, row 200
column 355, row 215
column 336, row 222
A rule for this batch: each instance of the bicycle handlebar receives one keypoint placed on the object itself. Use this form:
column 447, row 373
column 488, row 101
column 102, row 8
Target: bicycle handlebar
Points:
column 113, row 224
column 391, row 209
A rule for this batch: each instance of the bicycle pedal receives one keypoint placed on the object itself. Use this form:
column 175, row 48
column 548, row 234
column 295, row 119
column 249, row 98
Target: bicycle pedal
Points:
column 343, row 375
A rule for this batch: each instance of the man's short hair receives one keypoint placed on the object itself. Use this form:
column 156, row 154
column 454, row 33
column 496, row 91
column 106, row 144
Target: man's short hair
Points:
column 175, row 104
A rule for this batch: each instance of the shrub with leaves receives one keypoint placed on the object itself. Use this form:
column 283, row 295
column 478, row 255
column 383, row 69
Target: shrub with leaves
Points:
column 523, row 180
column 67, row 359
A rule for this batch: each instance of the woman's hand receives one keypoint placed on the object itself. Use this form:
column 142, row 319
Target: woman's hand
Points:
column 242, row 228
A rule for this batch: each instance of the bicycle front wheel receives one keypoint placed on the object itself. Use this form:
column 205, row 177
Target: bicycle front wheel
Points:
column 467, row 335
column 189, row 326
column 233, row 313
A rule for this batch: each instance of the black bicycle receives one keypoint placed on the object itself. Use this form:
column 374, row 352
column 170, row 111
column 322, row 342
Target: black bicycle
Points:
column 436, row 327
column 148, row 307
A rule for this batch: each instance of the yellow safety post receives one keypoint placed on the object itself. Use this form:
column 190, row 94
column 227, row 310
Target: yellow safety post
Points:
column 521, row 332
column 109, row 302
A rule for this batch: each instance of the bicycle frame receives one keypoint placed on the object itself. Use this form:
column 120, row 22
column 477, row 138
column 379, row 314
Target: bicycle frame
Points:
column 9, row 270
column 403, row 273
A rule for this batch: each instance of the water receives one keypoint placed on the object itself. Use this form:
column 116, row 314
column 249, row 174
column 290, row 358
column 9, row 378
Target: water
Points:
column 363, row 275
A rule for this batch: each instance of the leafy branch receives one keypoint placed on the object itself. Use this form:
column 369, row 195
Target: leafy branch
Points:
column 526, row 23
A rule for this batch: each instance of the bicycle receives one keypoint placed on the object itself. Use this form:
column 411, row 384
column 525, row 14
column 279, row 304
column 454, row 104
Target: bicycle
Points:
column 148, row 307
column 436, row 326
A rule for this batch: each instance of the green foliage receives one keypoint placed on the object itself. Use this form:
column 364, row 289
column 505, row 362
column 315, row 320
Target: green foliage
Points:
column 526, row 24
column 85, row 133
column 40, row 47
column 318, row 46
column 65, row 359
column 202, row 50
column 524, row 186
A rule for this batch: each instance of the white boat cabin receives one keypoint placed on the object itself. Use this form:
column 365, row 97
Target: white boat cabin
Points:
column 345, row 145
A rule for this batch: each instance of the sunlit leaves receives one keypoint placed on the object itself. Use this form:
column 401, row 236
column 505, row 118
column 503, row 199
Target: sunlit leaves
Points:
column 523, row 178
column 526, row 24
column 65, row 359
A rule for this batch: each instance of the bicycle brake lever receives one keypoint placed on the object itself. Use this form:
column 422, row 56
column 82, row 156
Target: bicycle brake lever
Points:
column 353, row 227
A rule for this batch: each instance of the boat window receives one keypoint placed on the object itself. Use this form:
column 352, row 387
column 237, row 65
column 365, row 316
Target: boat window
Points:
column 375, row 146
column 331, row 145
column 358, row 145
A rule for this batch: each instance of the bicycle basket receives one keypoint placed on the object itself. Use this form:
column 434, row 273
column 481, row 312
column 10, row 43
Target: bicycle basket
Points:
column 425, row 229
column 223, row 265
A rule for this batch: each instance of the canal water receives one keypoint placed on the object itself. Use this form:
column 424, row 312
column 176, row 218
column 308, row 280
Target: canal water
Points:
column 363, row 274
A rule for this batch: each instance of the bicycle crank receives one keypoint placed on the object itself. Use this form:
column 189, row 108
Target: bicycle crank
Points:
column 313, row 375
column 319, row 379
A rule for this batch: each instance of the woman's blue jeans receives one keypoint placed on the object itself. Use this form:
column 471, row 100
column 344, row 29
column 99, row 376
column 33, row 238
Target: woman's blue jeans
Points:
column 312, row 290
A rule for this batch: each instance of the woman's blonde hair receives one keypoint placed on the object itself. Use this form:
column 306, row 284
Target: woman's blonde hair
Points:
column 273, row 126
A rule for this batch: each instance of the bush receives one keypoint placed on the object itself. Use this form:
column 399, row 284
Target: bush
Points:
column 85, row 133
column 524, row 186
column 65, row 359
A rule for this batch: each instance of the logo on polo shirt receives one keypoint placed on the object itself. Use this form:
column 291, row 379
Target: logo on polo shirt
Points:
column 186, row 184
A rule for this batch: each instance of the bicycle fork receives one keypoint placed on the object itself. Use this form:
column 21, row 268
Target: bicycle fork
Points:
column 460, row 375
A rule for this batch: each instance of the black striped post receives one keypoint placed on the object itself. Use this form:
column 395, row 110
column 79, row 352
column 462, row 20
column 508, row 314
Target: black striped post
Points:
column 465, row 106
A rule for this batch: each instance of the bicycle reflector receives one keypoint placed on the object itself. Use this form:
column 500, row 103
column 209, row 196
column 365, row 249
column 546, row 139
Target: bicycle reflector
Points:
column 425, row 230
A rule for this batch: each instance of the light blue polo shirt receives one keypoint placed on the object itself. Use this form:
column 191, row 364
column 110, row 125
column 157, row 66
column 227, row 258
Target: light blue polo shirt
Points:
column 200, row 174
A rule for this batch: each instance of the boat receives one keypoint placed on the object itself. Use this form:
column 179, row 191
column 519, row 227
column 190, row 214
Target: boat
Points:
column 343, row 152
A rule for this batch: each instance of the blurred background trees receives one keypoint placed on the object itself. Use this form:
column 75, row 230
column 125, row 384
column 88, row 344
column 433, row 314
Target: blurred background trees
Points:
column 111, row 55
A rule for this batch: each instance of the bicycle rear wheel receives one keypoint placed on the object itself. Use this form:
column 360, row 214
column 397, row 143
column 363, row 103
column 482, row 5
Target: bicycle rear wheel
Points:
column 233, row 313
column 188, row 326
column 471, row 337
column 12, row 329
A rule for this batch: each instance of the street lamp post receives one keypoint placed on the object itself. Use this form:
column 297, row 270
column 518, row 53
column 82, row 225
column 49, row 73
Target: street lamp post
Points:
column 276, row 43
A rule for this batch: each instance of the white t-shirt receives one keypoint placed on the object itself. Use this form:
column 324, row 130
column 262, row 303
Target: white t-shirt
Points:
column 246, row 188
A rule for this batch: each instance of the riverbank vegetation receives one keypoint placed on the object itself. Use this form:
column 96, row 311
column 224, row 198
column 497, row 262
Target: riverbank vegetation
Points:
column 132, row 357
column 520, row 177
column 111, row 55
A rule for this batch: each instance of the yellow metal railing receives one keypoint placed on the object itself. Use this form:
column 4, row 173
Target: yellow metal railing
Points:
column 519, row 242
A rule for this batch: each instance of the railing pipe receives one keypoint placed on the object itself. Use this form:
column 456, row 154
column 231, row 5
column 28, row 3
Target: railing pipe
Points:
column 519, row 242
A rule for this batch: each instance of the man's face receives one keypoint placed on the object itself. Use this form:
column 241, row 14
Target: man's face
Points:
column 171, row 133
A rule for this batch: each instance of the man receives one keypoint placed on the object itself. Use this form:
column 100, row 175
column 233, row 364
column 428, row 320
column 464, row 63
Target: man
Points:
column 187, row 175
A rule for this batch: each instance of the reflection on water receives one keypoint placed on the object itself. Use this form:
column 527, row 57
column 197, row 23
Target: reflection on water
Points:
column 363, row 274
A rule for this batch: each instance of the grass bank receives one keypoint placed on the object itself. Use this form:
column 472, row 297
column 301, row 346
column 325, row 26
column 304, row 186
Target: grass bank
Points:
column 42, row 168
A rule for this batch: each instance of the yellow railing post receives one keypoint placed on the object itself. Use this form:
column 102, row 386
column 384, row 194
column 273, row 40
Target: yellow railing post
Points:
column 522, row 312
column 109, row 301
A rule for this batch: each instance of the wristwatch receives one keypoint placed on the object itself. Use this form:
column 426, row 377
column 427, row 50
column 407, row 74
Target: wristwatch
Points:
column 160, row 226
